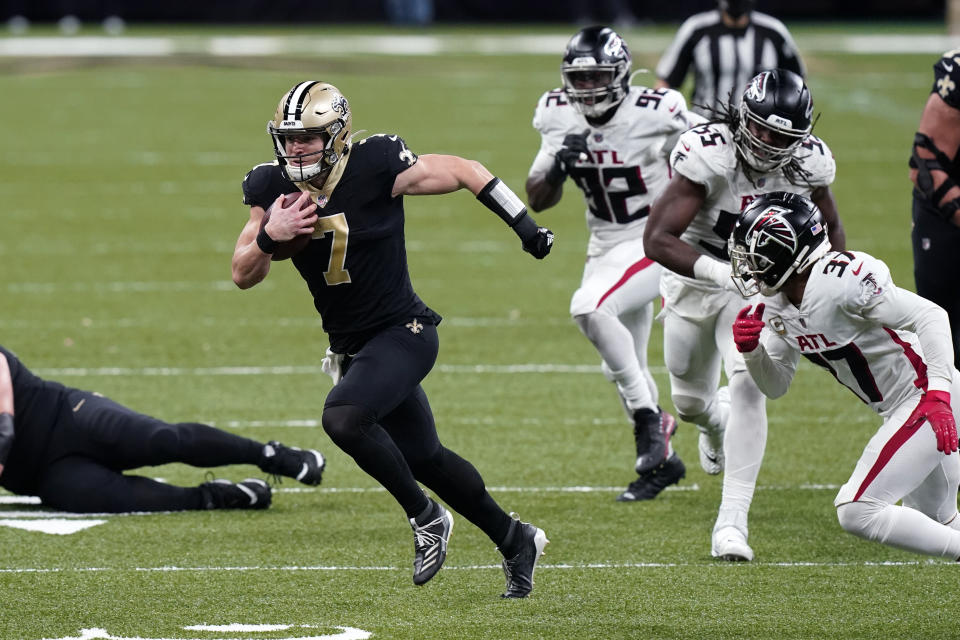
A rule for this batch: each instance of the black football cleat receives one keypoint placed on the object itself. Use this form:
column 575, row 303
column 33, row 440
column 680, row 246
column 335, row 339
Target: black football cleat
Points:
column 305, row 465
column 223, row 494
column 519, row 567
column 650, row 483
column 652, row 431
column 430, row 545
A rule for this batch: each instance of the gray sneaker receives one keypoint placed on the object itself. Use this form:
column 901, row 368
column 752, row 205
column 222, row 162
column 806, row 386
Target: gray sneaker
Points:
column 430, row 545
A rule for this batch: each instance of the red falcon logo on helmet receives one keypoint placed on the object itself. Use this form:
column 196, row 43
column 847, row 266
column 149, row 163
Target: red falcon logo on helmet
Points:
column 771, row 226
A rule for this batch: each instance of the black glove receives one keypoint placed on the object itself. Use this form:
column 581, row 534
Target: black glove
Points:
column 574, row 148
column 539, row 245
column 536, row 241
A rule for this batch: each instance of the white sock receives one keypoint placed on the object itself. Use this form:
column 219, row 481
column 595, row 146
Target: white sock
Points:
column 615, row 344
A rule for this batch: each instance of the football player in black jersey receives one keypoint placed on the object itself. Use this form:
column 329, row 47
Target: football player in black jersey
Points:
column 383, row 338
column 70, row 448
column 935, row 172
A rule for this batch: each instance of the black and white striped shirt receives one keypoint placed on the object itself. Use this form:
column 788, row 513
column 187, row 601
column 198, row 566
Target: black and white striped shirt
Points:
column 724, row 59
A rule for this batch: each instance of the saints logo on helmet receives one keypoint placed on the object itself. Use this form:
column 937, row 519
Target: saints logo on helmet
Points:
column 313, row 108
column 778, row 235
column 596, row 71
column 777, row 106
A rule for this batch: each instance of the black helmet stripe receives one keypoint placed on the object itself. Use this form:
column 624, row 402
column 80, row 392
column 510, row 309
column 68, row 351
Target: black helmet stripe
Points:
column 293, row 108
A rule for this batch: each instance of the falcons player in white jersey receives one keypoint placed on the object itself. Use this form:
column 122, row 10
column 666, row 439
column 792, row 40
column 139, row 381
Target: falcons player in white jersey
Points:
column 892, row 348
column 764, row 145
column 613, row 141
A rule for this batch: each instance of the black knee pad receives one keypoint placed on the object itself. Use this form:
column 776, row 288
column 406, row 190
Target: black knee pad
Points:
column 346, row 423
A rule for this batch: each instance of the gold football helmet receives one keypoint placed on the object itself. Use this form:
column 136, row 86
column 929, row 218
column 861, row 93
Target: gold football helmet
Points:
column 312, row 108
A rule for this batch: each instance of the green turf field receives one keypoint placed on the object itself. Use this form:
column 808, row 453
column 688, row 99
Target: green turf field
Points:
column 121, row 205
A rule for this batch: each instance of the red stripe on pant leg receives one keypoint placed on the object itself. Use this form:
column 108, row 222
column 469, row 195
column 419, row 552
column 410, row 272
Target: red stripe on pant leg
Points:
column 631, row 270
column 893, row 445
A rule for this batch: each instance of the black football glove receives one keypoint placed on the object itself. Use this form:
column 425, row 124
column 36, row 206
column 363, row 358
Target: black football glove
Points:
column 574, row 149
column 535, row 240
column 539, row 244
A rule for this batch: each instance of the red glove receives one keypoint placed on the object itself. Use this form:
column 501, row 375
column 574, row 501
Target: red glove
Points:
column 935, row 408
column 747, row 327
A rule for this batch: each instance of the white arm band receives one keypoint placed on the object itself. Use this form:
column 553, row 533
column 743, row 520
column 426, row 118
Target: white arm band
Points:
column 710, row 270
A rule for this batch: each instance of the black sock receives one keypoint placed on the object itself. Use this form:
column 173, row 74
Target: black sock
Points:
column 511, row 543
column 429, row 514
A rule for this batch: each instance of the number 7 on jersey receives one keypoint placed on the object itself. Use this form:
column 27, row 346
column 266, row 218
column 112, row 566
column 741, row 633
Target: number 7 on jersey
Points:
column 337, row 225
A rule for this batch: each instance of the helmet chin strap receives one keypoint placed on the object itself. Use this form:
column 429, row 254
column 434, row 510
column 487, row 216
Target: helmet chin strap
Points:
column 323, row 191
column 638, row 71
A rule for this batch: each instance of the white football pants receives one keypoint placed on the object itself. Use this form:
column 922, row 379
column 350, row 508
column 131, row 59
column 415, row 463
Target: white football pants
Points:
column 614, row 309
column 901, row 464
column 694, row 350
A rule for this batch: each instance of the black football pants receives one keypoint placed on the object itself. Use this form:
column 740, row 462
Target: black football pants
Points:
column 936, row 264
column 379, row 414
column 96, row 439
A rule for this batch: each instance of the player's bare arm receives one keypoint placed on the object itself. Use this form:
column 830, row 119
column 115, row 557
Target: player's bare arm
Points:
column 544, row 189
column 435, row 174
column 541, row 194
column 6, row 386
column 6, row 410
column 823, row 198
column 250, row 263
column 941, row 124
column 669, row 218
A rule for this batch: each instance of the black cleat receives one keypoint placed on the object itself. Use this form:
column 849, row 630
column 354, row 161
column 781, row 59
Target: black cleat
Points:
column 518, row 569
column 652, row 431
column 430, row 545
column 649, row 485
column 305, row 465
column 223, row 494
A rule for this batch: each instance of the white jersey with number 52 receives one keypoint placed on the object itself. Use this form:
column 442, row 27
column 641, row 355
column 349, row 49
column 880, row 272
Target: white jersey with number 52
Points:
column 628, row 165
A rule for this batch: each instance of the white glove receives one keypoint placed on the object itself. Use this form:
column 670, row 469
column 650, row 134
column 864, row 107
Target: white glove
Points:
column 332, row 365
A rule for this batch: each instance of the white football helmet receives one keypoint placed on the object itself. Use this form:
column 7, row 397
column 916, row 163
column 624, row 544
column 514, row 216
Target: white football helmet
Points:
column 312, row 108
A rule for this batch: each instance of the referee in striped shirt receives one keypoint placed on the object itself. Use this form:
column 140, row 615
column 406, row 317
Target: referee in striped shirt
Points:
column 726, row 47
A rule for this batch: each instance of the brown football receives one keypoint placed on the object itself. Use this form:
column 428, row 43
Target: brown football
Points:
column 289, row 248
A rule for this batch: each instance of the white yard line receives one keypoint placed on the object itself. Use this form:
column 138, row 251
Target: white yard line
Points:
column 110, row 323
column 6, row 499
column 447, row 567
column 412, row 45
column 289, row 370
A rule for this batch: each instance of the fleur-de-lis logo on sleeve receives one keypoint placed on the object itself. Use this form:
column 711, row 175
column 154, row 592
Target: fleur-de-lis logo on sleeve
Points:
column 946, row 85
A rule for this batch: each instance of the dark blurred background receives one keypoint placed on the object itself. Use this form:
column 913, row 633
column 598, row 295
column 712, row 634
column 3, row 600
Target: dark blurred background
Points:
column 453, row 11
